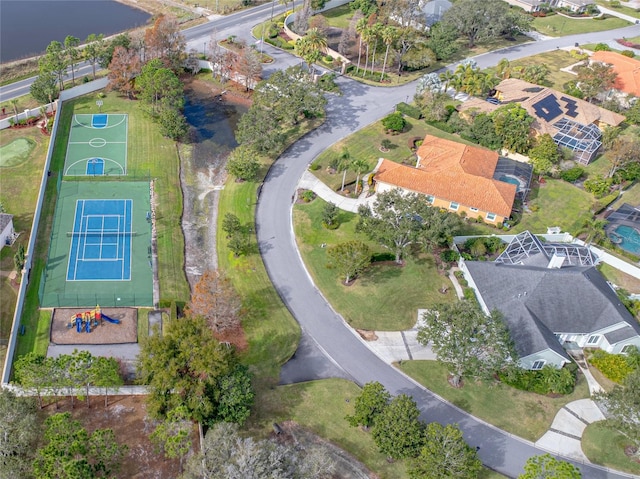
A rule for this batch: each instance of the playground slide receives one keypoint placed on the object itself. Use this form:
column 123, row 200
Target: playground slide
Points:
column 79, row 325
column 111, row 320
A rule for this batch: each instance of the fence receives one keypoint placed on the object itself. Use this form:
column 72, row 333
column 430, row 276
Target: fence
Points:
column 13, row 337
column 33, row 113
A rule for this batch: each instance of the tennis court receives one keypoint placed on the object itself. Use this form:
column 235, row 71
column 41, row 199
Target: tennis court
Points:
column 97, row 145
column 100, row 250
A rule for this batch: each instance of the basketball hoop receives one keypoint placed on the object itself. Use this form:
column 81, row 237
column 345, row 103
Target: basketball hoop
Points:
column 99, row 103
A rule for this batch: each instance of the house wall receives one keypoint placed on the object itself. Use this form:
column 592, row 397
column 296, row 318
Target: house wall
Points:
column 382, row 187
column 524, row 5
column 6, row 233
column 550, row 357
column 617, row 348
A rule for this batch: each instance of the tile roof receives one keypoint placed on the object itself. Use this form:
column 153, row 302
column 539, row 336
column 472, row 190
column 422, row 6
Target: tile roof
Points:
column 454, row 172
column 628, row 70
column 545, row 105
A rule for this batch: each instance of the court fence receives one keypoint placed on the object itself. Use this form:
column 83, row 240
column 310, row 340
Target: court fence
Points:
column 133, row 174
column 62, row 300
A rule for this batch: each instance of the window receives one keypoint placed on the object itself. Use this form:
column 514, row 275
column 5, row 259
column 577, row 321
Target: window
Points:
column 475, row 210
column 627, row 348
column 491, row 216
column 537, row 365
column 454, row 206
column 429, row 198
column 593, row 339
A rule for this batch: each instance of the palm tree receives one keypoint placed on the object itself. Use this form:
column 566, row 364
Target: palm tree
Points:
column 503, row 70
column 389, row 35
column 367, row 36
column 317, row 40
column 359, row 165
column 447, row 76
column 14, row 104
column 376, row 30
column 593, row 229
column 360, row 28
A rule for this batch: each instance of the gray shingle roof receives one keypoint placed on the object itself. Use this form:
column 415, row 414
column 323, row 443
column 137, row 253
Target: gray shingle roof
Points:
column 538, row 302
column 5, row 219
column 620, row 334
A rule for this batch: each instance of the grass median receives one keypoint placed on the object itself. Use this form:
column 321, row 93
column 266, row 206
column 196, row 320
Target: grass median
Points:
column 560, row 25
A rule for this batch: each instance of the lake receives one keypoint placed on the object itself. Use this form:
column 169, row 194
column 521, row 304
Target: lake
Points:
column 28, row 26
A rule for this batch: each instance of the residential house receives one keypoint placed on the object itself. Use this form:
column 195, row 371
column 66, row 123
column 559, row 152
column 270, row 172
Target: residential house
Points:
column 7, row 233
column 577, row 6
column 528, row 5
column 453, row 176
column 572, row 122
column 628, row 71
column 432, row 10
column 553, row 299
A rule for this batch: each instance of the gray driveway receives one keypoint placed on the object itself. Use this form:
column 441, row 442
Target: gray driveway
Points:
column 361, row 105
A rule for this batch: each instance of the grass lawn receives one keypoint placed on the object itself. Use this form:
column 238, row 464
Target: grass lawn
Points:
column 617, row 277
column 558, row 203
column 604, row 446
column 632, row 12
column 405, row 289
column 524, row 414
column 365, row 144
column 558, row 25
column 555, row 60
column 631, row 195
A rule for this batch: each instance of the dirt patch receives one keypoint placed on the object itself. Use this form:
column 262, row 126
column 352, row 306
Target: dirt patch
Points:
column 104, row 332
column 367, row 335
column 233, row 336
column 346, row 466
column 127, row 416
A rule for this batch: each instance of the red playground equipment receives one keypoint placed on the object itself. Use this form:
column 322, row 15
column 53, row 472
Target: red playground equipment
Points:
column 84, row 321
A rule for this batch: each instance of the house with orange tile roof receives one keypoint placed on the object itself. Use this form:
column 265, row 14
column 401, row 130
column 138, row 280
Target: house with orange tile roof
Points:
column 453, row 176
column 628, row 70
column 571, row 122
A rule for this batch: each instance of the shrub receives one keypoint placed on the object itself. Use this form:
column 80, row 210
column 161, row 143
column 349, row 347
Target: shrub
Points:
column 441, row 125
column 409, row 110
column 449, row 256
column 394, row 122
column 308, row 196
column 599, row 186
column 548, row 380
column 615, row 367
column 572, row 174
column 469, row 294
column 458, row 274
column 315, row 166
column 628, row 53
column 602, row 203
column 602, row 47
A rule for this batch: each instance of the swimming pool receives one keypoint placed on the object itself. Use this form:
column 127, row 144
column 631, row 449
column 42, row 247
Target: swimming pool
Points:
column 626, row 238
column 514, row 180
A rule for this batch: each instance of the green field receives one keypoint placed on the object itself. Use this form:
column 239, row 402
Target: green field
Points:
column 524, row 414
column 558, row 25
column 604, row 446
column 405, row 288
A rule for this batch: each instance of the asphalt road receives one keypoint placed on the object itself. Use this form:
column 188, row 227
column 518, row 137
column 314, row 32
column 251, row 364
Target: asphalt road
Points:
column 359, row 106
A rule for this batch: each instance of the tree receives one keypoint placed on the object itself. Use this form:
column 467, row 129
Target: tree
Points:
column 256, row 130
column 182, row 367
column 165, row 41
column 433, row 105
column 548, row 467
column 624, row 151
column 239, row 244
column 249, row 66
column 373, row 399
column 123, row 40
column 394, row 122
column 545, row 155
column 173, row 435
column 215, row 299
column 396, row 430
column 623, row 409
column 397, row 221
column 19, row 258
column 349, row 258
column 595, row 78
column 360, row 27
column 633, row 113
column 72, row 54
column 80, row 364
column 124, row 67
column 172, row 123
column 243, row 163
column 330, row 216
column 483, row 131
column 389, row 36
column 70, row 451
column 478, row 21
column 231, row 224
column 513, row 125
column 535, row 73
column 360, row 166
column 444, row 454
column 469, row 342
column 93, row 50
column 32, row 371
column 159, row 87
column 106, row 374
column 54, row 61
column 45, row 87
column 235, row 396
column 19, row 432
column 442, row 40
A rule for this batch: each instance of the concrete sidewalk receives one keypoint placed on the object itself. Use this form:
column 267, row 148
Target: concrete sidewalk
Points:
column 310, row 182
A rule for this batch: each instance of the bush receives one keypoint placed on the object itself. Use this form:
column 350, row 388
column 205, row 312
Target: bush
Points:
column 449, row 256
column 308, row 196
column 547, row 380
column 441, row 125
column 602, row 47
column 598, row 186
column 572, row 174
column 394, row 122
column 315, row 166
column 409, row 110
column 615, row 367
column 602, row 203
column 469, row 294
column 628, row 53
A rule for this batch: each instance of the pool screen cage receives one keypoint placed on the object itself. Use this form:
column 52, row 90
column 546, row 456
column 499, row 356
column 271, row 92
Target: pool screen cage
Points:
column 582, row 140
column 526, row 248
column 522, row 171
column 625, row 214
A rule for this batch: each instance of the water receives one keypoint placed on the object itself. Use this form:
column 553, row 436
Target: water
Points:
column 28, row 26
column 626, row 238
column 511, row 179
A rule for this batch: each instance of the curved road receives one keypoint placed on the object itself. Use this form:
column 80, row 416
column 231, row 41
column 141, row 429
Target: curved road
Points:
column 359, row 106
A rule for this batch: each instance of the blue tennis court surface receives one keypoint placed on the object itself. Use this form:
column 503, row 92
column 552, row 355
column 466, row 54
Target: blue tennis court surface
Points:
column 95, row 166
column 101, row 241
column 99, row 121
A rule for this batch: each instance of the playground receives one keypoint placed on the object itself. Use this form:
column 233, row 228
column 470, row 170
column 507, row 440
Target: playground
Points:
column 103, row 329
column 97, row 145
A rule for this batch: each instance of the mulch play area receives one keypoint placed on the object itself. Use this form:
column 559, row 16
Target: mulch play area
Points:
column 102, row 333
